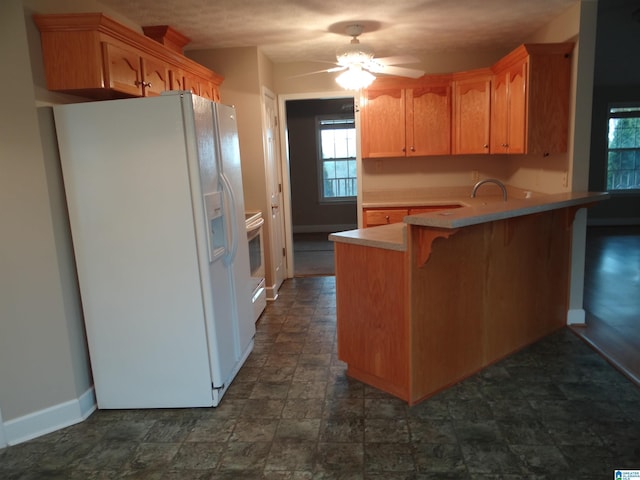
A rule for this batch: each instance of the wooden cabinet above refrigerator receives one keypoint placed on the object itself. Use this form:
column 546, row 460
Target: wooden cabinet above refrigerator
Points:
column 91, row 55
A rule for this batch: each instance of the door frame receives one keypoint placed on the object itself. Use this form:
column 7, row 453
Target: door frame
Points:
column 274, row 172
column 3, row 437
column 285, row 163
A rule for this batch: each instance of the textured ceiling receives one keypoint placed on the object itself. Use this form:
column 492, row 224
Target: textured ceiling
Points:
column 299, row 30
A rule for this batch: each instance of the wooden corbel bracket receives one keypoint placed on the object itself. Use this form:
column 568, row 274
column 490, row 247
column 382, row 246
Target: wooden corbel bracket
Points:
column 426, row 237
column 571, row 213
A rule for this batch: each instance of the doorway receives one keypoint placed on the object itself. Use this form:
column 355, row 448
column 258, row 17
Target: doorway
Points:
column 312, row 213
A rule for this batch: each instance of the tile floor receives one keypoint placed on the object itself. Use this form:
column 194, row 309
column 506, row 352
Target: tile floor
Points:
column 554, row 410
column 312, row 254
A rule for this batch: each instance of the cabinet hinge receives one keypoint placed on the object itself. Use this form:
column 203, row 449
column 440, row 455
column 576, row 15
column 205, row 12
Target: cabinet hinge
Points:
column 279, row 188
column 213, row 387
column 275, row 120
column 284, row 252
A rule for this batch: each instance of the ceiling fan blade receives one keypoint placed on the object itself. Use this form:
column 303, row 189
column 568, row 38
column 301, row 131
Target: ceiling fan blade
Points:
column 401, row 71
column 326, row 70
column 398, row 60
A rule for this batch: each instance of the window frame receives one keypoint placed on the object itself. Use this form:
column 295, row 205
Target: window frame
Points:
column 320, row 160
column 611, row 115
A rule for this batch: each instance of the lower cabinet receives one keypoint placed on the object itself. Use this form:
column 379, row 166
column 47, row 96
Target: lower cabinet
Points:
column 373, row 217
column 383, row 216
column 373, row 316
column 415, row 322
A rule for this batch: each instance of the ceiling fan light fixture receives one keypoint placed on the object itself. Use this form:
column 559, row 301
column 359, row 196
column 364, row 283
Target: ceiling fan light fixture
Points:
column 354, row 52
column 355, row 78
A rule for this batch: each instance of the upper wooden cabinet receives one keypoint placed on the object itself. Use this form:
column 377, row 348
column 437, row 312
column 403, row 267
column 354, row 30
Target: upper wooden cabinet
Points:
column 508, row 110
column 383, row 121
column 91, row 55
column 519, row 105
column 406, row 118
column 125, row 70
column 471, row 112
column 429, row 109
column 530, row 100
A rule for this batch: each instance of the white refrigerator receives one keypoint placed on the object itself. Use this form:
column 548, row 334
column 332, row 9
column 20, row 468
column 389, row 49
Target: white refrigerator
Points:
column 154, row 191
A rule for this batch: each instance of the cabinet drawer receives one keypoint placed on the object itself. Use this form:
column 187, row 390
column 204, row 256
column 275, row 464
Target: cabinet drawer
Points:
column 384, row 216
column 431, row 208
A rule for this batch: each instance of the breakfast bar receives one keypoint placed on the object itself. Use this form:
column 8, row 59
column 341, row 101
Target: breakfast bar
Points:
column 427, row 302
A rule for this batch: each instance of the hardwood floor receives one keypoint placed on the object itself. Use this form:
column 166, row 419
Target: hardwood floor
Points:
column 612, row 296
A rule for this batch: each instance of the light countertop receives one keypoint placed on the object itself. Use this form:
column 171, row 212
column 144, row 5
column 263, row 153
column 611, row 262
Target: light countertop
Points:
column 472, row 211
column 389, row 237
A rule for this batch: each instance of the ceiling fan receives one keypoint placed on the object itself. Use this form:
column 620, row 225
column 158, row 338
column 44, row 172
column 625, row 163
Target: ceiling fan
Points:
column 358, row 64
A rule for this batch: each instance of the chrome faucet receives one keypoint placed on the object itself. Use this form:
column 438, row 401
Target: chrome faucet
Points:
column 490, row 180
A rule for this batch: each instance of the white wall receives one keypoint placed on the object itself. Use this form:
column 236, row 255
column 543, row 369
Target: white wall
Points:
column 44, row 370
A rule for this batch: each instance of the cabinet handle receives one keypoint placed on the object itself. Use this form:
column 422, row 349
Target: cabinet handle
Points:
column 413, row 149
column 138, row 83
column 485, row 146
column 505, row 145
column 404, row 149
column 386, row 217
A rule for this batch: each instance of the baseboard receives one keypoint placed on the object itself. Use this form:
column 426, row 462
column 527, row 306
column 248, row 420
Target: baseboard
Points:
column 323, row 228
column 50, row 419
column 576, row 316
column 272, row 293
column 613, row 222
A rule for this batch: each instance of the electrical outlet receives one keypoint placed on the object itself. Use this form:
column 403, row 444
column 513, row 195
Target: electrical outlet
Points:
column 565, row 179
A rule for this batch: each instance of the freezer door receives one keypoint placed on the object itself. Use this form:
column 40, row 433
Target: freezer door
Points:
column 231, row 172
column 213, row 236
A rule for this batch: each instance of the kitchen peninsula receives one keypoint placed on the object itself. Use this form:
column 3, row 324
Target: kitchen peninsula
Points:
column 427, row 302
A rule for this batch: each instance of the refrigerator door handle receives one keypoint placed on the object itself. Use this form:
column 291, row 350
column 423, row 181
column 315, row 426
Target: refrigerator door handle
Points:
column 228, row 189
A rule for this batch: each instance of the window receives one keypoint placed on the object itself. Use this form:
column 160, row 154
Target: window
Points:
column 337, row 153
column 623, row 152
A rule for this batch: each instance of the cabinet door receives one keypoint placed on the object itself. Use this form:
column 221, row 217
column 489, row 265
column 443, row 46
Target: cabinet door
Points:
column 383, row 123
column 207, row 90
column 509, row 110
column 384, row 216
column 471, row 118
column 500, row 114
column 431, row 208
column 428, row 120
column 156, row 77
column 176, row 79
column 192, row 84
column 122, row 69
column 518, row 112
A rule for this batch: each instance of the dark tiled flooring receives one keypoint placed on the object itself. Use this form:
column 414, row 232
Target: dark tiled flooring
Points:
column 554, row 410
column 312, row 254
